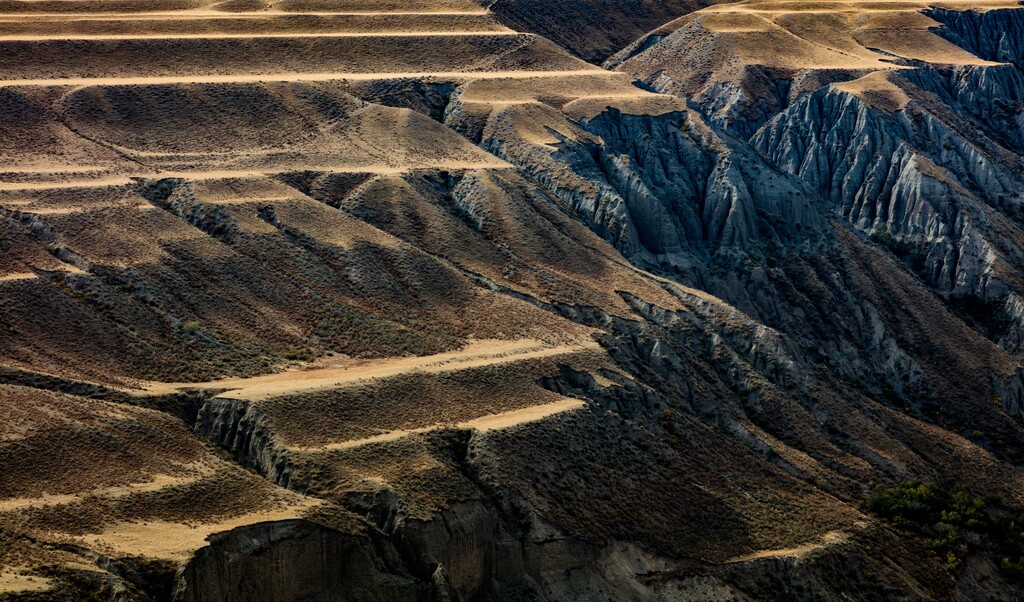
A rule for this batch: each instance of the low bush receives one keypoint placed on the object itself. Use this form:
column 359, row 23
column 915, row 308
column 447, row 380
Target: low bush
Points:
column 954, row 522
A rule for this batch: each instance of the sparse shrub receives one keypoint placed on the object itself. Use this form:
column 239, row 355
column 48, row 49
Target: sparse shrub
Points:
column 954, row 522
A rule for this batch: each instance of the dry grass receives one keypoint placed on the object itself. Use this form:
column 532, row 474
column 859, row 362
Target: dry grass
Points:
column 734, row 41
column 608, row 479
column 338, row 285
column 212, row 56
column 253, row 25
column 876, row 90
column 414, row 400
column 118, row 479
column 419, row 470
column 330, row 375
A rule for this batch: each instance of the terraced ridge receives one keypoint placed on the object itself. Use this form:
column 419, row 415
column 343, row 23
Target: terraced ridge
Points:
column 247, row 89
column 205, row 195
column 327, row 415
column 104, row 478
column 180, row 184
column 380, row 253
column 764, row 52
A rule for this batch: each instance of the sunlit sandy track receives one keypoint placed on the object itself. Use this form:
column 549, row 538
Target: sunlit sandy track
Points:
column 216, row 175
column 211, row 14
column 47, row 169
column 474, row 355
column 296, row 77
column 99, row 182
column 17, row 276
column 158, row 482
column 232, row 36
column 830, row 539
column 489, row 422
column 205, row 26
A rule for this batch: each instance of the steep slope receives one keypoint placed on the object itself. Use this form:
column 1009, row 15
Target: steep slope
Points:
column 591, row 29
column 915, row 143
column 744, row 62
column 941, row 129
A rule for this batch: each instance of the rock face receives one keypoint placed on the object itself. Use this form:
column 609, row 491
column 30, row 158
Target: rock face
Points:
column 292, row 560
column 937, row 182
column 993, row 35
column 673, row 194
column 661, row 188
column 924, row 160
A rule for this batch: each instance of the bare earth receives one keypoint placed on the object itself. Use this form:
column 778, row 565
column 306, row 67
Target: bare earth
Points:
column 473, row 355
column 489, row 422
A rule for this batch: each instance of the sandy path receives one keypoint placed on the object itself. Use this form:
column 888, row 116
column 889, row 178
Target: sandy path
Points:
column 141, row 206
column 18, row 276
column 157, row 483
column 50, row 169
column 490, row 422
column 295, row 77
column 177, row 541
column 230, row 174
column 255, row 199
column 65, row 268
column 246, row 36
column 829, row 539
column 211, row 14
column 475, row 355
column 94, row 183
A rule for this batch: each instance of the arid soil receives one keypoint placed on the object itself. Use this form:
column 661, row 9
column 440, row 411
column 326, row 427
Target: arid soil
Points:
column 576, row 300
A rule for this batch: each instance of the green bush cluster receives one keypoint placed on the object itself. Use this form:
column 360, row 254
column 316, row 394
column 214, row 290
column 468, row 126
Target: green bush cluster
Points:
column 953, row 522
column 912, row 253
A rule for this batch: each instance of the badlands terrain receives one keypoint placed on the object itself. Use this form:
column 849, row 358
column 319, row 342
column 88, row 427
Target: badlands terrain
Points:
column 514, row 300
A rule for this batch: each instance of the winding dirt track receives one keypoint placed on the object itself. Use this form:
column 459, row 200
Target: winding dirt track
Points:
column 294, row 77
column 830, row 539
column 250, row 36
column 225, row 174
column 354, row 372
column 18, row 276
column 489, row 422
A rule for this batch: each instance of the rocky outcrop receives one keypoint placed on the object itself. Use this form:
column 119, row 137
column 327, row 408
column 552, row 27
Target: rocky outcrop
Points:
column 914, row 181
column 676, row 196
column 239, row 427
column 294, row 560
column 688, row 58
column 927, row 164
column 994, row 35
column 663, row 189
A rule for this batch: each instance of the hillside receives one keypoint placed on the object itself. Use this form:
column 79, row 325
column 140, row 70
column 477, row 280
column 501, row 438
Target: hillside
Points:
column 442, row 300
